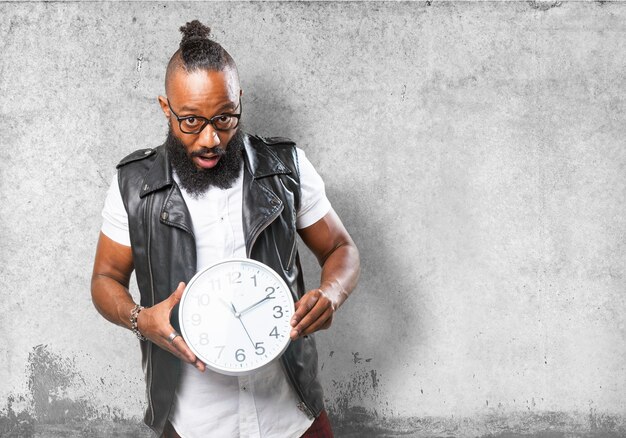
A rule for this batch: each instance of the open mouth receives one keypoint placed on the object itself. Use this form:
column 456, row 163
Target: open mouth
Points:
column 206, row 161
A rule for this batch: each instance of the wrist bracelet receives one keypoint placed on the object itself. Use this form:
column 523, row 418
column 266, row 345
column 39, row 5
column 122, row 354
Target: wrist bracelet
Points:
column 133, row 322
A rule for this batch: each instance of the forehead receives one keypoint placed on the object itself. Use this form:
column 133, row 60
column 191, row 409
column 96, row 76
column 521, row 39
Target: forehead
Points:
column 203, row 90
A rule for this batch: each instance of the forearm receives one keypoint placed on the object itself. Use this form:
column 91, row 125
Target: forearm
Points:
column 112, row 299
column 115, row 303
column 340, row 273
column 339, row 258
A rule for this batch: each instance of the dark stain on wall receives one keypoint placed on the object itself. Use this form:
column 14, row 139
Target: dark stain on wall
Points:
column 544, row 5
column 352, row 415
column 50, row 409
column 360, row 422
column 16, row 424
column 363, row 385
column 50, row 378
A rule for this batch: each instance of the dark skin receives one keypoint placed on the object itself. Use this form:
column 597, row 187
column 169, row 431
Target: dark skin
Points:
column 210, row 93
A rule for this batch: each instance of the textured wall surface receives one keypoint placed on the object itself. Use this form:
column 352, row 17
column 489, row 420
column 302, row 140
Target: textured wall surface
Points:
column 474, row 150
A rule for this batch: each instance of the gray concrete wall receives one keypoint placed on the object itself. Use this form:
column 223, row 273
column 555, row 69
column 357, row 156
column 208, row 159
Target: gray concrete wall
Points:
column 474, row 150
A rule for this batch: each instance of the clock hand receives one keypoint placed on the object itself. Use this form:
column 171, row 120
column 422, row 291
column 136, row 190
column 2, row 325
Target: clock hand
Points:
column 237, row 315
column 267, row 297
column 246, row 330
column 229, row 306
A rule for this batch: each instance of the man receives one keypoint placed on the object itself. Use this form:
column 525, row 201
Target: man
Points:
column 212, row 192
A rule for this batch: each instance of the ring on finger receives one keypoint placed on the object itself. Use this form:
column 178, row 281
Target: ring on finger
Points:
column 172, row 336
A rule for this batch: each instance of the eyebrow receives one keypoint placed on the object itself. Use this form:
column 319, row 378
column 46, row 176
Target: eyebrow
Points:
column 225, row 107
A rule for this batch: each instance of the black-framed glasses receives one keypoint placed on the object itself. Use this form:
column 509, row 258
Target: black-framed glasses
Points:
column 195, row 124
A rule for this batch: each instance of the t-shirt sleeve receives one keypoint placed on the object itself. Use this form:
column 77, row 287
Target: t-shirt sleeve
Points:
column 114, row 216
column 313, row 203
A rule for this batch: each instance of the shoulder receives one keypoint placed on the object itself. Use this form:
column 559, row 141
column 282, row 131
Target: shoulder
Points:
column 280, row 145
column 276, row 141
column 138, row 155
column 137, row 164
column 133, row 169
column 273, row 155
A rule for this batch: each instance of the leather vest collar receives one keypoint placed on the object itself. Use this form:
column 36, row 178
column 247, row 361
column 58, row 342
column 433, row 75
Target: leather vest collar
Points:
column 262, row 162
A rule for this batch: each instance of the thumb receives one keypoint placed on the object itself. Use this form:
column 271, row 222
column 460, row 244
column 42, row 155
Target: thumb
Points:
column 178, row 293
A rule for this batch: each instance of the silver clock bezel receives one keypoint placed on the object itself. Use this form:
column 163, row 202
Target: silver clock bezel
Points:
column 223, row 370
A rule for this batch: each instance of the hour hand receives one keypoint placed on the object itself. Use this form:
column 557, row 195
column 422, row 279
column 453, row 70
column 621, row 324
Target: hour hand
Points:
column 229, row 306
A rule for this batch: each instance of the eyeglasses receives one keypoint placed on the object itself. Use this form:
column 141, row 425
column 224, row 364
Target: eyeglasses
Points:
column 195, row 124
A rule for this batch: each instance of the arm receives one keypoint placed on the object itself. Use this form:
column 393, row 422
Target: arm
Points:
column 109, row 292
column 339, row 259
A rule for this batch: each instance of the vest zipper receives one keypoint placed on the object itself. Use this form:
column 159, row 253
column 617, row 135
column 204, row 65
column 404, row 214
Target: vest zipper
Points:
column 294, row 248
column 303, row 405
column 149, row 368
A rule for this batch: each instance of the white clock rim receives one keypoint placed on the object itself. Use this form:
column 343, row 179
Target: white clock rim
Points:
column 224, row 370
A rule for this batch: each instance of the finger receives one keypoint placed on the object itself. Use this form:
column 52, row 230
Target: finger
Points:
column 200, row 365
column 177, row 294
column 304, row 306
column 182, row 347
column 179, row 348
column 308, row 326
column 322, row 323
column 312, row 302
column 197, row 363
column 167, row 346
column 313, row 320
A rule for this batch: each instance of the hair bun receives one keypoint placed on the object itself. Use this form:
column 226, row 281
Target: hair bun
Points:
column 194, row 30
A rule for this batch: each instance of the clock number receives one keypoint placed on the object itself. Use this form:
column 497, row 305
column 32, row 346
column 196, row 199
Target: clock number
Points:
column 196, row 319
column 234, row 277
column 259, row 350
column 274, row 332
column 204, row 339
column 221, row 348
column 269, row 291
column 240, row 355
column 278, row 312
column 254, row 279
column 215, row 283
column 203, row 299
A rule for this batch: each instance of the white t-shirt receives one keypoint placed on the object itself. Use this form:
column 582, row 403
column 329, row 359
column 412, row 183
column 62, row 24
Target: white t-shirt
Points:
column 209, row 404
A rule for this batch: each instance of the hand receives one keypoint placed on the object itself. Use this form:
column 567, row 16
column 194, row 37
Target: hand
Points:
column 154, row 323
column 314, row 311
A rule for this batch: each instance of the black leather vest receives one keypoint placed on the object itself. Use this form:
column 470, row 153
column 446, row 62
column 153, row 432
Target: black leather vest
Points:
column 164, row 253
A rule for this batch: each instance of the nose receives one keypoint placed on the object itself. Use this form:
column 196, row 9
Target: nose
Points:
column 208, row 137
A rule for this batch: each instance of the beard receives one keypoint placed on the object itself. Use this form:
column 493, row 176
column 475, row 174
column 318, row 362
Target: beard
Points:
column 197, row 181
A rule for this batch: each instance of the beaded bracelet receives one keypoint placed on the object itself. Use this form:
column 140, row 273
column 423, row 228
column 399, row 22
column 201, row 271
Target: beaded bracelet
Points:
column 133, row 322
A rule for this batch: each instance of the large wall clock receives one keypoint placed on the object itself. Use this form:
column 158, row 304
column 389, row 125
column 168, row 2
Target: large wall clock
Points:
column 235, row 316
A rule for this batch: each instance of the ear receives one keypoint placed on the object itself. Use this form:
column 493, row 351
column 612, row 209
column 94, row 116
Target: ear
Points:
column 164, row 106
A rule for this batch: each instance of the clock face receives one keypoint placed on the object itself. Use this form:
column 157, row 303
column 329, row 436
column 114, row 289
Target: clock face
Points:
column 235, row 316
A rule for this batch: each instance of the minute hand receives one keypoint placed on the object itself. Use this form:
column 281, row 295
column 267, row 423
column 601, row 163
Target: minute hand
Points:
column 267, row 297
